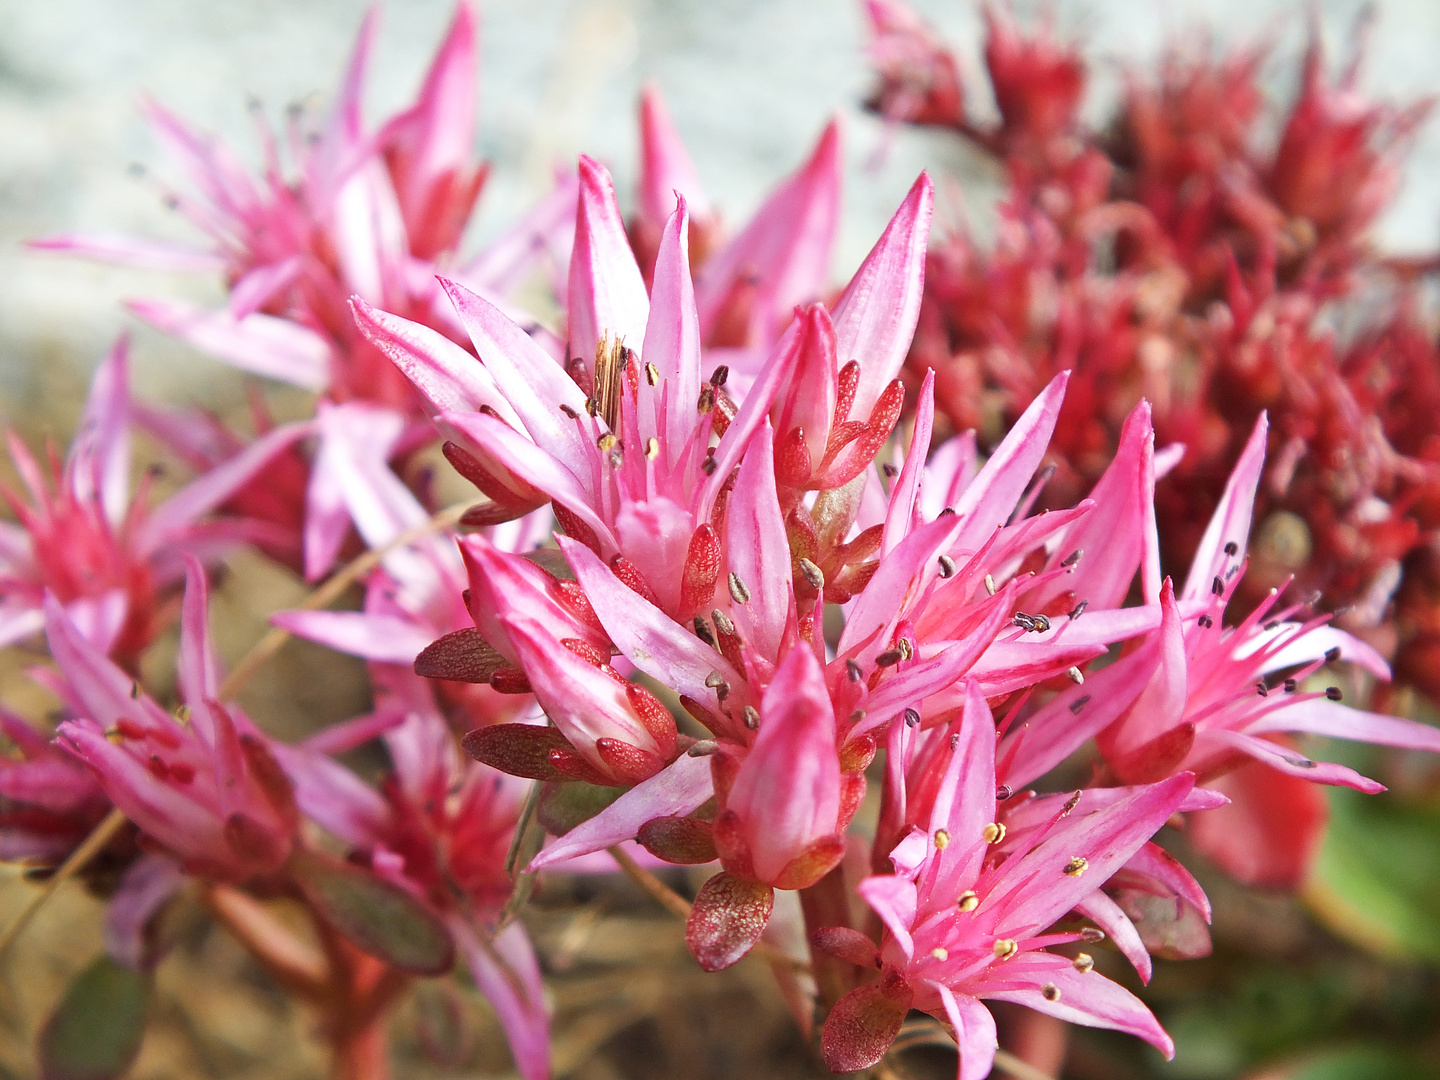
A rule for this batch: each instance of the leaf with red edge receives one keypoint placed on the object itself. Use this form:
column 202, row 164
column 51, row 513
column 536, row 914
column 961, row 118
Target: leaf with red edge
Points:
column 96, row 1030
column 517, row 749
column 680, row 840
column 812, row 864
column 847, row 944
column 727, row 920
column 702, row 570
column 376, row 916
column 628, row 762
column 462, row 656
column 861, row 1027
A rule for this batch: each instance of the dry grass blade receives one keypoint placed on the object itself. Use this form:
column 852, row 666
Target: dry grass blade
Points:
column 252, row 662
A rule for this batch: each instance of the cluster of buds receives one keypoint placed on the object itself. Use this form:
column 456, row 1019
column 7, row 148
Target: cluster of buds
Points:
column 711, row 594
column 1177, row 255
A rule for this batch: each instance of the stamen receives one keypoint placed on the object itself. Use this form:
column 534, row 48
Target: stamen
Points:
column 947, row 566
column 888, row 658
column 940, row 953
column 568, row 411
column 607, row 442
column 1332, row 654
column 183, row 714
column 752, row 717
column 813, row 574
column 907, row 651
column 1075, row 675
column 1333, row 693
column 1050, row 992
column 942, row 839
column 702, row 631
column 912, row 718
column 703, row 748
column 1083, row 962
column 1217, row 586
column 717, row 682
column 738, row 592
column 1005, row 948
column 652, row 448
column 1077, row 865
column 1232, row 548
column 993, row 833
column 1079, row 703
column 889, row 470
column 989, row 584
column 1003, row 792
column 1078, row 610
column 723, row 623
column 708, row 466
column 719, row 375
column 1092, row 934
column 968, row 901
column 1073, row 557
column 852, row 669
column 1290, row 686
column 652, row 374
column 134, row 691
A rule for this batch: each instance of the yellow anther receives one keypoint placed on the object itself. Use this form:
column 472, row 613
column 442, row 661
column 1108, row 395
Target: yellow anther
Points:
column 942, row 839
column 1005, row 948
column 1077, row 865
column 1083, row 962
column 993, row 833
column 969, row 901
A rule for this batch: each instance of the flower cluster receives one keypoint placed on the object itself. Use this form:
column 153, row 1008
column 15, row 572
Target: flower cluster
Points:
column 715, row 590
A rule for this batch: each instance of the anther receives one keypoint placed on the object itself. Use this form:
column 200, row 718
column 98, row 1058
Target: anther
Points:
column 1332, row 654
column 888, row 658
column 706, row 404
column 1262, row 689
column 889, row 470
column 1003, row 792
column 752, row 717
column 1070, row 803
column 719, row 375
column 1333, row 693
column 907, row 650
column 592, row 407
column 947, row 566
column 1083, row 962
column 989, row 584
column 812, row 573
column 968, row 901
column 1232, row 548
column 912, row 718
column 723, row 623
column 134, row 691
column 717, row 682
column 708, row 466
column 1077, row 865
column 993, row 833
column 703, row 748
column 183, row 714
column 852, row 669
column 1050, row 992
column 940, row 953
column 702, row 631
column 1079, row 703
column 1075, row 675
column 738, row 592
column 1078, row 610
column 1290, row 686
column 942, row 839
column 857, row 716
column 1092, row 934
column 568, row 411
column 652, row 374
column 1005, row 948
column 607, row 442
column 1217, row 586
column 1073, row 557
column 652, row 448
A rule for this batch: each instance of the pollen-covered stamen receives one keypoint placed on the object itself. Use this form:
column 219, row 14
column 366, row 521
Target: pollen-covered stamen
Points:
column 738, row 592
column 1005, row 948
column 947, row 566
column 993, row 833
column 888, row 658
column 1075, row 675
column 1073, row 558
column 853, row 671
column 702, row 631
column 1083, row 962
column 717, row 682
column 652, row 448
column 652, row 374
column 912, row 718
column 1078, row 610
column 940, row 953
column 1050, row 992
column 942, row 839
column 719, row 375
column 752, row 717
column 1077, row 865
column 990, row 584
column 969, row 900
column 812, row 574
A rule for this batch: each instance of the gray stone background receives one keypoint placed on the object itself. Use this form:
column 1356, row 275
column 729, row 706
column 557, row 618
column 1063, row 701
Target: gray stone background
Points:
column 749, row 82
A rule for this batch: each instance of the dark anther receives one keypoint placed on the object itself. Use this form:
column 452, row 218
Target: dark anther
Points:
column 719, row 375
column 1332, row 654
column 1217, row 586
column 1079, row 609
column 1290, row 685
column 912, row 718
column 1333, row 693
column 889, row 470
column 702, row 631
column 1262, row 689
column 1073, row 557
column 1079, row 703
column 1003, row 792
column 1232, row 548
column 888, row 658
column 853, row 670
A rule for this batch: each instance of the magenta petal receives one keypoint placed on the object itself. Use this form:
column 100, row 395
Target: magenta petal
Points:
column 197, row 668
column 894, row 899
column 758, row 550
column 385, row 639
column 875, row 317
column 334, row 797
column 1230, row 524
column 900, row 516
column 672, row 336
column 665, row 166
column 100, row 455
column 644, row 634
column 974, row 1032
column 1106, row 914
column 1285, row 760
column 506, row 972
column 146, row 886
column 1320, row 716
column 1086, row 998
column 675, row 791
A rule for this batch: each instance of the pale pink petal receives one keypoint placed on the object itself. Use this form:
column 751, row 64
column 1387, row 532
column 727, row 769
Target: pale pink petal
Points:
column 132, row 251
column 900, row 517
column 263, row 344
column 665, row 166
column 672, row 334
column 548, row 226
column 257, row 288
column 100, row 453
column 197, row 669
column 379, row 638
column 506, row 972
column 145, row 888
column 1285, row 760
column 1321, row 716
column 894, row 900
column 607, row 293
column 875, row 317
column 758, row 550
column 335, row 798
column 676, row 790
column 1106, row 914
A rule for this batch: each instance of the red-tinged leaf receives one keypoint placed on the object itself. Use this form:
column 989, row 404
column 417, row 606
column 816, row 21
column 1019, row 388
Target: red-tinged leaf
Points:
column 631, row 576
column 847, row 944
column 628, row 763
column 96, row 1030
column 568, row 803
column 377, row 916
column 814, row 863
column 680, row 840
column 572, row 765
column 1158, row 758
column 517, row 749
column 461, row 656
column 857, row 754
column 483, row 515
column 852, row 794
column 861, row 1027
column 657, row 719
column 510, row 493
column 572, row 525
column 730, row 842
column 702, row 570
column 509, row 680
column 551, row 561
column 727, row 920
